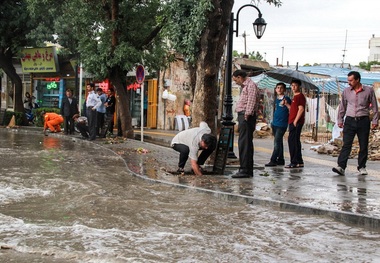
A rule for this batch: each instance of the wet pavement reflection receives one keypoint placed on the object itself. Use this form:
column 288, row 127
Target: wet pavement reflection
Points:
column 67, row 200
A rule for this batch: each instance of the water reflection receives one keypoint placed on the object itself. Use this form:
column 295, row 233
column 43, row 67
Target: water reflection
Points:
column 51, row 142
column 349, row 190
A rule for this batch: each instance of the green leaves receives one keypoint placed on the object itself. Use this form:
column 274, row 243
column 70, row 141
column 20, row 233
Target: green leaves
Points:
column 187, row 20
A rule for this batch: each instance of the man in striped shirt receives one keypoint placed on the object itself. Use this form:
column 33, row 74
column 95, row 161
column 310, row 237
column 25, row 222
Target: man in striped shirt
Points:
column 356, row 102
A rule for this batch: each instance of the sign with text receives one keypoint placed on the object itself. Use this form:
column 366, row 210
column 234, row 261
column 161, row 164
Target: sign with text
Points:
column 140, row 74
column 39, row 60
column 222, row 150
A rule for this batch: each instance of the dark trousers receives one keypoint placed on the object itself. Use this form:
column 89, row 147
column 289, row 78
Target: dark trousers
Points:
column 68, row 124
column 184, row 154
column 245, row 142
column 91, row 119
column 83, row 129
column 109, row 123
column 278, row 144
column 294, row 141
column 352, row 127
column 99, row 123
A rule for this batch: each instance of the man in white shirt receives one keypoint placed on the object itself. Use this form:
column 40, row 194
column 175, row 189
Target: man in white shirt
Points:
column 189, row 142
column 92, row 103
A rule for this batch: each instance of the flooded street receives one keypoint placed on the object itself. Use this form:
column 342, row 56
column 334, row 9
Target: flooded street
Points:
column 65, row 200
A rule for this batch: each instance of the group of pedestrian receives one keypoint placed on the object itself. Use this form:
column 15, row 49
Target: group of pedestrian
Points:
column 354, row 109
column 100, row 110
column 98, row 119
column 289, row 114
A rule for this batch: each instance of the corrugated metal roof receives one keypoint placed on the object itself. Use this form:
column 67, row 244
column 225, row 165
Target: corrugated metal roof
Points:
column 332, row 80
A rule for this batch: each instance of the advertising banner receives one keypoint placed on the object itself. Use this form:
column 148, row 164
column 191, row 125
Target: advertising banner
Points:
column 39, row 60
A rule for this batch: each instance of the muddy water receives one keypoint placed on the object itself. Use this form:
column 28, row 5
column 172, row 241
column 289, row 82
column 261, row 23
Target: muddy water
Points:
column 72, row 201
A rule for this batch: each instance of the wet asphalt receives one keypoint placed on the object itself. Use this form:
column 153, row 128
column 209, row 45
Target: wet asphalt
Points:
column 314, row 189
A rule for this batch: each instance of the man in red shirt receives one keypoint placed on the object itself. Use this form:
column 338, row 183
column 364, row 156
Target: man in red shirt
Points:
column 296, row 121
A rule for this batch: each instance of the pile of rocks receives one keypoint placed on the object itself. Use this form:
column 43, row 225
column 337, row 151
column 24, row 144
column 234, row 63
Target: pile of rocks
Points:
column 333, row 148
column 262, row 130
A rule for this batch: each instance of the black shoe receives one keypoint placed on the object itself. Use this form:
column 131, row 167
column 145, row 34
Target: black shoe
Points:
column 280, row 162
column 181, row 171
column 271, row 164
column 242, row 175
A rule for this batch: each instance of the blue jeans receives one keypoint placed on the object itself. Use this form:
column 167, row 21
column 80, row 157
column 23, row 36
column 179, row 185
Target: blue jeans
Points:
column 278, row 144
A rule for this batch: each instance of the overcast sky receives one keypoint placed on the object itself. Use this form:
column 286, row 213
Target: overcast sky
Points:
column 310, row 31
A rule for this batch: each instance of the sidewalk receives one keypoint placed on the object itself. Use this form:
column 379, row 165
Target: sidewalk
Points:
column 314, row 189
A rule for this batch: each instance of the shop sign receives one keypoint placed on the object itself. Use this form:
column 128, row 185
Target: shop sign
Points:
column 39, row 60
column 140, row 74
column 52, row 79
column 52, row 85
column 104, row 85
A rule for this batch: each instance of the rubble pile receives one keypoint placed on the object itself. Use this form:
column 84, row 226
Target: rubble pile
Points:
column 262, row 130
column 333, row 148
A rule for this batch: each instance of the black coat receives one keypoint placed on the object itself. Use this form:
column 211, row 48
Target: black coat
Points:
column 69, row 109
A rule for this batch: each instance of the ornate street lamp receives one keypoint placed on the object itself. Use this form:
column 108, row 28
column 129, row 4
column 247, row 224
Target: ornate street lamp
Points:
column 259, row 27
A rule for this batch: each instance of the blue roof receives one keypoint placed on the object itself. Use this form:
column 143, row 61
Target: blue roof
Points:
column 334, row 82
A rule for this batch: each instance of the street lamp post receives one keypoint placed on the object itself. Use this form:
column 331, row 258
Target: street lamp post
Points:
column 259, row 27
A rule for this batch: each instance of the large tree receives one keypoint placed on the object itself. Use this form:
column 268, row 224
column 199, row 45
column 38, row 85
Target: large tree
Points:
column 111, row 37
column 15, row 25
column 198, row 29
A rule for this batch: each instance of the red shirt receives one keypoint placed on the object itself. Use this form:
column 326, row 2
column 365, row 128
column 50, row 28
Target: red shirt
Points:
column 298, row 100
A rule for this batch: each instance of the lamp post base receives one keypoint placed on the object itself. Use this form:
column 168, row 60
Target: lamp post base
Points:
column 230, row 124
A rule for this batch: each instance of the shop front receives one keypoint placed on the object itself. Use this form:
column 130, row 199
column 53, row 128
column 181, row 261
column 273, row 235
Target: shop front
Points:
column 50, row 76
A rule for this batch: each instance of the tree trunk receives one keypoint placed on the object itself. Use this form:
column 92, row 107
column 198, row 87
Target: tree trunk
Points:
column 116, row 76
column 7, row 66
column 123, row 102
column 212, row 44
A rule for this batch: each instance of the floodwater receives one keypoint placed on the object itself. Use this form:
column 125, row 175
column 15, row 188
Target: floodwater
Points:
column 72, row 201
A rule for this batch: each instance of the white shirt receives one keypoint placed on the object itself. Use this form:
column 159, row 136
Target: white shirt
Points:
column 191, row 138
column 93, row 100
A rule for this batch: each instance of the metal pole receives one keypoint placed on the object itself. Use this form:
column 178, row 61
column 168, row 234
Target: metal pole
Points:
column 80, row 88
column 317, row 118
column 282, row 57
column 142, row 111
column 164, row 114
column 228, row 116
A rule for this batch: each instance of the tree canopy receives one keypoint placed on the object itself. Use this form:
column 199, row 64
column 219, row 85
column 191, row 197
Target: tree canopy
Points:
column 15, row 25
column 111, row 37
column 367, row 65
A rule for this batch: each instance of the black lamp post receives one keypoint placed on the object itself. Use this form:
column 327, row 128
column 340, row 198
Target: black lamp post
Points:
column 259, row 27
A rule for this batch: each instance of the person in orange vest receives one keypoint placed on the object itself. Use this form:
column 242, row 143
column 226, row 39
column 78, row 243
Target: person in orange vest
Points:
column 186, row 108
column 52, row 121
